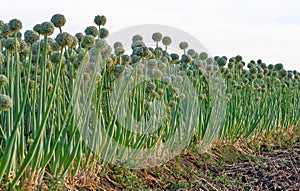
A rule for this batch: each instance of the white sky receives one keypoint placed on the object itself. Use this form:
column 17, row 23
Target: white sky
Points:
column 256, row 29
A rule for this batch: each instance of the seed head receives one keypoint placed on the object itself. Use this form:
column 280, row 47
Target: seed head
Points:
column 260, row 75
column 79, row 37
column 166, row 80
column 46, row 28
column 282, row 73
column 100, row 20
column 157, row 74
column 166, row 41
column 230, row 65
column 271, row 67
column 5, row 102
column 174, row 56
column 274, row 73
column 137, row 43
column 91, row 30
column 31, row 37
column 162, row 66
column 262, row 65
column 203, row 56
column 245, row 81
column 134, row 59
column 209, row 68
column 5, row 30
column 139, row 51
column 103, row 33
column 64, row 39
column 186, row 59
column 137, row 37
column 266, row 71
column 55, row 58
column 221, row 61
column 238, row 58
column 152, row 64
column 118, row 44
column 150, row 87
column 278, row 66
column 101, row 44
column 37, row 28
column 157, row 37
column 126, row 59
column 179, row 79
column 290, row 74
column 10, row 44
column 119, row 50
column 239, row 87
column 88, row 41
column 119, row 69
column 183, row 45
column 295, row 72
column 3, row 80
column 250, row 65
column 58, row 20
column 15, row 25
column 192, row 53
column 210, row 61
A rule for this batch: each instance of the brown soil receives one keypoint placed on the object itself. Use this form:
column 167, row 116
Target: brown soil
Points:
column 278, row 169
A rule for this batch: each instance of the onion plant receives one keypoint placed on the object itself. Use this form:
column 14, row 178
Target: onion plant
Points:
column 67, row 100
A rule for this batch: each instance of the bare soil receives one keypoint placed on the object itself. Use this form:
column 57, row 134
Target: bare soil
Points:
column 229, row 168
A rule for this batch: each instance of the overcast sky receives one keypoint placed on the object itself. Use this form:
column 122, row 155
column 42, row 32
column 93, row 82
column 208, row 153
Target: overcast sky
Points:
column 256, row 29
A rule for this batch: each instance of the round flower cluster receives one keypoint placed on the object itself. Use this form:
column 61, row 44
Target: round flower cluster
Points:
column 64, row 39
column 58, row 20
column 5, row 102
column 15, row 25
column 100, row 20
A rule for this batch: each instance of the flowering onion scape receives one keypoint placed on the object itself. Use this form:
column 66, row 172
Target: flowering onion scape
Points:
column 40, row 131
